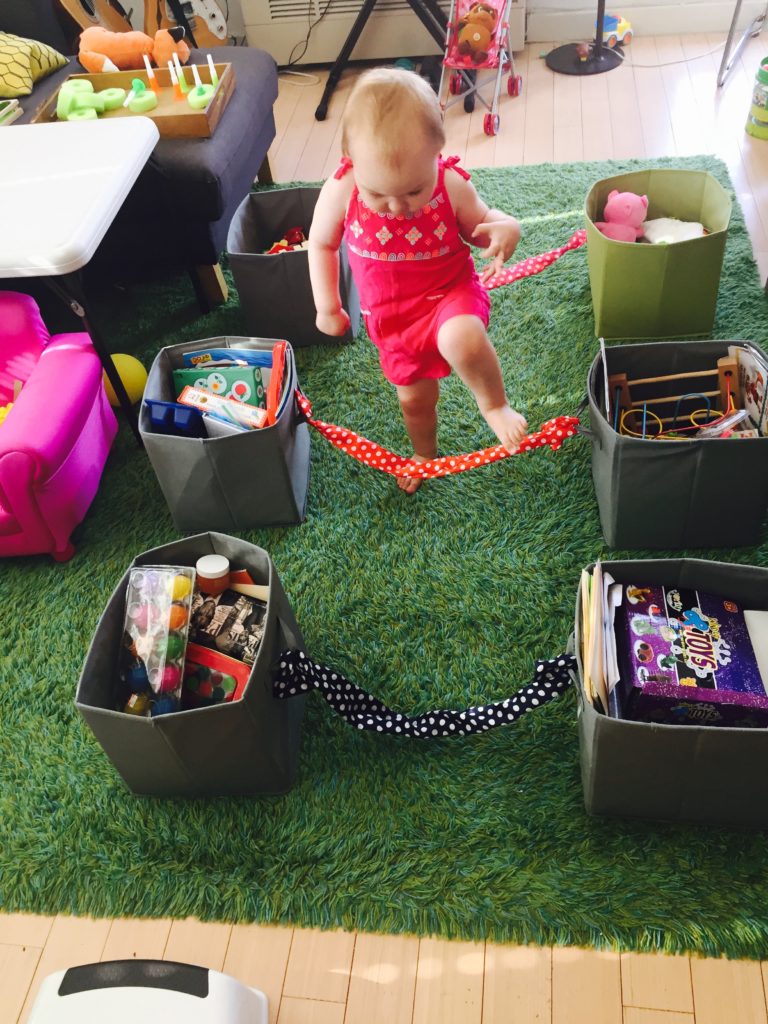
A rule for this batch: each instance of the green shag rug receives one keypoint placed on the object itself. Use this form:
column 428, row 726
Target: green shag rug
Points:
column 444, row 599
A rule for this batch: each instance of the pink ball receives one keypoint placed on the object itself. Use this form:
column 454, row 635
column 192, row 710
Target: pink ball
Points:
column 170, row 679
column 140, row 615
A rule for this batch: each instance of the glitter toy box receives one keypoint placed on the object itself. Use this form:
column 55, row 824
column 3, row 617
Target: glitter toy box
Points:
column 685, row 658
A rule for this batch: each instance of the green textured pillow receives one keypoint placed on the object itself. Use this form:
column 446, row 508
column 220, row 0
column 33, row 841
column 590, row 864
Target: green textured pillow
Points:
column 23, row 62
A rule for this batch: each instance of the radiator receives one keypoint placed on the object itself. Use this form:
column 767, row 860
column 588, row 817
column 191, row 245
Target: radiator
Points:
column 393, row 30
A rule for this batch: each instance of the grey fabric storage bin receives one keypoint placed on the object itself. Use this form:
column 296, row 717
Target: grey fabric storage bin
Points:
column 675, row 772
column 236, row 482
column 248, row 747
column 673, row 494
column 275, row 291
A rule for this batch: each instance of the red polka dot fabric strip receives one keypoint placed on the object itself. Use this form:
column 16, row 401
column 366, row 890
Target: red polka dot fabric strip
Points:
column 552, row 435
column 295, row 674
column 535, row 264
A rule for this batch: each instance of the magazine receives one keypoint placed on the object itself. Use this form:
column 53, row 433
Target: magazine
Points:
column 230, row 623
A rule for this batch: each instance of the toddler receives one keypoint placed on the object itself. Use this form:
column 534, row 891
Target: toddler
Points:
column 406, row 215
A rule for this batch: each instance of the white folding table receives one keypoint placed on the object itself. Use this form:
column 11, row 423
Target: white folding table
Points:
column 61, row 185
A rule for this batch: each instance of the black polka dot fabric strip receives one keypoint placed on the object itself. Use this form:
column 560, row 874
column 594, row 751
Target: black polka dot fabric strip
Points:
column 296, row 673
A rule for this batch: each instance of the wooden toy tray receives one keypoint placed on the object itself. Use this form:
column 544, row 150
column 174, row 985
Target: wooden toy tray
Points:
column 174, row 118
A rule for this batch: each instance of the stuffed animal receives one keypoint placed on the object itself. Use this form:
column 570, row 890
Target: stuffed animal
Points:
column 476, row 30
column 101, row 50
column 624, row 215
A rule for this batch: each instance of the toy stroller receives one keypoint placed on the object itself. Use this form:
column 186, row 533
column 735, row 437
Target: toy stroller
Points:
column 478, row 40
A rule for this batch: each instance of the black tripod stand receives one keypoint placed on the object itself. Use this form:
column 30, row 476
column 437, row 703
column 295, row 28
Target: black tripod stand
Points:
column 571, row 60
column 429, row 14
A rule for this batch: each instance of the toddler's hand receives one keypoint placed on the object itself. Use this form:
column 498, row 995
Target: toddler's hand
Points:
column 502, row 237
column 334, row 324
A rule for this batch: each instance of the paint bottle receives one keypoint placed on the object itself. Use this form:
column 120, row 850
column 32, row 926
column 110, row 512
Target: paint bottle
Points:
column 757, row 122
column 212, row 574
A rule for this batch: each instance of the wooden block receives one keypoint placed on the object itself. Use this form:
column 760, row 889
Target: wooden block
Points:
column 728, row 375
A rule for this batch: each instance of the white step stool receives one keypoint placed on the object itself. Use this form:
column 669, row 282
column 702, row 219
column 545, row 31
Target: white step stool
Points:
column 146, row 991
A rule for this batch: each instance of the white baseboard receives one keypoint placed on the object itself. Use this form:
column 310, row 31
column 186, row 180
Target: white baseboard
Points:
column 652, row 20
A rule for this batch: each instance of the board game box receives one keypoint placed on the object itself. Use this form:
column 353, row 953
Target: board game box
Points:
column 243, row 383
column 685, row 657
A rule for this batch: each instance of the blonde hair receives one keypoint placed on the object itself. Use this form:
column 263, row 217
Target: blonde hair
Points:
column 389, row 105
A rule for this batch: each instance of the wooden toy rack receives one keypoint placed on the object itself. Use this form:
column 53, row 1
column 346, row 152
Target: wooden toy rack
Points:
column 672, row 397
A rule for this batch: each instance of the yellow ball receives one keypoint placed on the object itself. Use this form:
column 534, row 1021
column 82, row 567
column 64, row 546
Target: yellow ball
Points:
column 181, row 587
column 132, row 374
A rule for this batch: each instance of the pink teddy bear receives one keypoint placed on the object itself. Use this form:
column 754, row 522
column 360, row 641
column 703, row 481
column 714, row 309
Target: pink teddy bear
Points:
column 624, row 216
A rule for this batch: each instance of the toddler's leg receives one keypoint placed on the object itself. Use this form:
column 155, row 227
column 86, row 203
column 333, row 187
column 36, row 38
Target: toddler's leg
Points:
column 463, row 343
column 418, row 402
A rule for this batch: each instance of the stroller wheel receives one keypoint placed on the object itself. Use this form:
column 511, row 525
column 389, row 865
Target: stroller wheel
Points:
column 515, row 85
column 491, row 124
column 469, row 103
column 454, row 83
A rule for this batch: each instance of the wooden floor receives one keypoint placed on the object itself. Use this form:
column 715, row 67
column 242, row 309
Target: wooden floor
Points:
column 663, row 103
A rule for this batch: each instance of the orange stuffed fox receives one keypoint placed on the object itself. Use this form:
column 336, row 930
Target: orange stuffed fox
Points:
column 101, row 50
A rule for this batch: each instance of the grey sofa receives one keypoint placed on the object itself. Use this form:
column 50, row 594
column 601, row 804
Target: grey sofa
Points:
column 190, row 188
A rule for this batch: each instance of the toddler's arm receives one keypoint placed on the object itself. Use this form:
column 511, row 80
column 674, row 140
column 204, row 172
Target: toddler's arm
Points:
column 497, row 232
column 324, row 241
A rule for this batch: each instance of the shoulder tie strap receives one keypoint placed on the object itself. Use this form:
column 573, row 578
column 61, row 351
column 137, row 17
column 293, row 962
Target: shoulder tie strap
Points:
column 453, row 163
column 344, row 165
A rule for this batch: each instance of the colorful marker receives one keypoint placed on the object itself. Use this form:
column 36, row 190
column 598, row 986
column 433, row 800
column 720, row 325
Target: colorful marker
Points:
column 175, row 82
column 180, row 73
column 153, row 82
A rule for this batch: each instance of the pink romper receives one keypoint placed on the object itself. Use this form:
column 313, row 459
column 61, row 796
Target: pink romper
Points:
column 413, row 272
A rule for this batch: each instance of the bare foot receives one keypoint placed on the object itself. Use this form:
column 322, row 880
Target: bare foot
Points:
column 411, row 484
column 509, row 426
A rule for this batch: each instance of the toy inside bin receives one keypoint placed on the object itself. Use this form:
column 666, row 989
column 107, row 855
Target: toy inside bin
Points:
column 640, row 290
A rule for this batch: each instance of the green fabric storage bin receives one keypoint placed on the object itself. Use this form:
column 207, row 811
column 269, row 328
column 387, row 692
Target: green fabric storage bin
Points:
column 248, row 747
column 641, row 290
column 675, row 772
column 674, row 494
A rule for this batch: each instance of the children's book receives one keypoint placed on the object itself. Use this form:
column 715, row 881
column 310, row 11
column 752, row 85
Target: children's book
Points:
column 230, row 623
column 753, row 379
column 228, row 357
column 687, row 657
column 242, row 383
column 271, row 369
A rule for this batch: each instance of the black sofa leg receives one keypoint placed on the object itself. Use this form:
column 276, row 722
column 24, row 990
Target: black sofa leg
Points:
column 209, row 284
column 264, row 177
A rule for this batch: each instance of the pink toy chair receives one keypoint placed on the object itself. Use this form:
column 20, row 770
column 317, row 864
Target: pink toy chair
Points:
column 55, row 440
